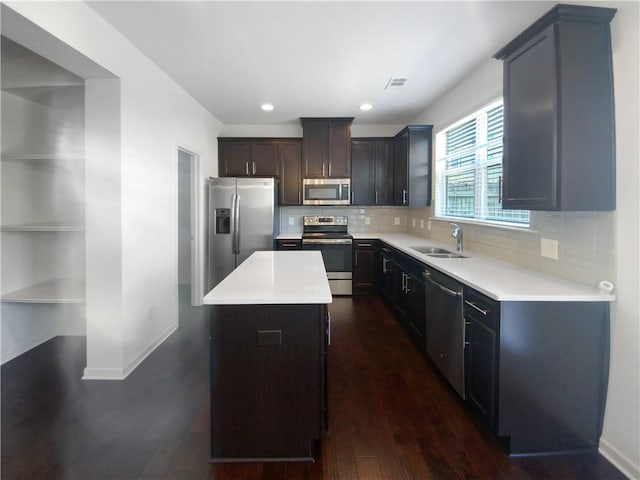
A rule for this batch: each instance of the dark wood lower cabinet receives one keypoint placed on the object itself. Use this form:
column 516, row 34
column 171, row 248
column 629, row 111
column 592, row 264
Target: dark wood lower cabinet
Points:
column 400, row 283
column 535, row 372
column 482, row 317
column 364, row 266
column 268, row 385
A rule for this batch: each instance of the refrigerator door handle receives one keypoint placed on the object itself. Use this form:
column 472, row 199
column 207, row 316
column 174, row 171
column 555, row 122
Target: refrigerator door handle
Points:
column 236, row 227
column 233, row 224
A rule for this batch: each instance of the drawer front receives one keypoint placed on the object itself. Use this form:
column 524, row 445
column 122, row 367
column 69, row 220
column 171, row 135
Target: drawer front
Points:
column 481, row 308
column 294, row 244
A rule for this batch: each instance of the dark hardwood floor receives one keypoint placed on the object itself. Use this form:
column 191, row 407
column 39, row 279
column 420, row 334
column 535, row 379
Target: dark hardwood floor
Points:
column 391, row 415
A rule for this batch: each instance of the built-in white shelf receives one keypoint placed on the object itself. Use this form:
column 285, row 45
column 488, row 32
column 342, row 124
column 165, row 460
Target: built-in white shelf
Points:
column 43, row 227
column 41, row 157
column 53, row 291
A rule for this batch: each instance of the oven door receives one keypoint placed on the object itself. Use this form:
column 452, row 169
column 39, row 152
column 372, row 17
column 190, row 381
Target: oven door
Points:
column 337, row 255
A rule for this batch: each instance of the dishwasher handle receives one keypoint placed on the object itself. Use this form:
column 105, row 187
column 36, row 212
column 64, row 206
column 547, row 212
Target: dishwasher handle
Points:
column 444, row 289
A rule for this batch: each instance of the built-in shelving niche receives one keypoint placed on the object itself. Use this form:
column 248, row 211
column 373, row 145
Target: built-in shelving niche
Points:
column 43, row 195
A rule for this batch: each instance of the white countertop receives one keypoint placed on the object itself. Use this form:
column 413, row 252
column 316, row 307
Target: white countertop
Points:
column 499, row 280
column 281, row 277
column 289, row 236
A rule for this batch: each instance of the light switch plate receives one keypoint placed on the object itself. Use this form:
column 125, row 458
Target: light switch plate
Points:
column 413, row 222
column 422, row 224
column 396, row 221
column 549, row 248
column 367, row 220
column 291, row 220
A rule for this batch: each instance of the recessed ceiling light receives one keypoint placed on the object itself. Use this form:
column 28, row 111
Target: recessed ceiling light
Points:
column 366, row 106
column 267, row 107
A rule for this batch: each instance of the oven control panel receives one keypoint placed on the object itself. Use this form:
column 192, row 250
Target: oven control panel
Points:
column 326, row 220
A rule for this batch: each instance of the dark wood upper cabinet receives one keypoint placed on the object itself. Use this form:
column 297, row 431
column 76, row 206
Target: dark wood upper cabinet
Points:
column 290, row 159
column 371, row 171
column 558, row 107
column 326, row 147
column 233, row 158
column 412, row 152
column 265, row 158
column 247, row 157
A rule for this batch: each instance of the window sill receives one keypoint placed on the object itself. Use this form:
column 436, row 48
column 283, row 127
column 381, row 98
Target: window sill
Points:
column 485, row 223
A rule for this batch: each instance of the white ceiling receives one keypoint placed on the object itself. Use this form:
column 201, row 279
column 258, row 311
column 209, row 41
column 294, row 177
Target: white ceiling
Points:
column 315, row 59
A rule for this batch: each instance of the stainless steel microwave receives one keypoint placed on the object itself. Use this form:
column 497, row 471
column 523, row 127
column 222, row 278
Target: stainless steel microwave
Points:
column 326, row 191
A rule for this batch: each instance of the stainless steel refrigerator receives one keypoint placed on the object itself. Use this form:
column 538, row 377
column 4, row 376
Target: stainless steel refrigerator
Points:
column 243, row 218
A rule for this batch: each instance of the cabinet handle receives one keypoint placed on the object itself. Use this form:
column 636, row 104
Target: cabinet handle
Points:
column 356, row 258
column 384, row 265
column 254, row 167
column 329, row 168
column 353, row 197
column 471, row 304
column 404, row 196
column 376, row 201
column 328, row 328
column 407, row 290
column 500, row 189
column 288, row 245
column 323, row 169
column 364, row 244
column 246, row 168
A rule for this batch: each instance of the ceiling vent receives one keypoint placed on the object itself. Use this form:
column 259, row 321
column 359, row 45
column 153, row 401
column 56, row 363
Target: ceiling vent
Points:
column 395, row 82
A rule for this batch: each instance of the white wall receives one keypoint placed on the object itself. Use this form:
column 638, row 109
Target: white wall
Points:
column 156, row 117
column 607, row 243
column 621, row 437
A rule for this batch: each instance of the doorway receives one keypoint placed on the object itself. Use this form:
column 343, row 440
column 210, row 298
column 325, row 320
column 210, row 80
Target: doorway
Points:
column 188, row 267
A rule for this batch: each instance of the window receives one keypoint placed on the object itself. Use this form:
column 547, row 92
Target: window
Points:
column 469, row 169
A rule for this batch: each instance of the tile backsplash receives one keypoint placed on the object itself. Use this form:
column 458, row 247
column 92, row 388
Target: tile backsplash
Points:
column 361, row 219
column 586, row 242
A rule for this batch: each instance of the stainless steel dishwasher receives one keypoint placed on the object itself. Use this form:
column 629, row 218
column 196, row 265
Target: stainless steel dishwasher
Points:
column 445, row 326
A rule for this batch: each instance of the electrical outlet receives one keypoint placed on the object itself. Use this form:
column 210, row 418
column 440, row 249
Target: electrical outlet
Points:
column 396, row 221
column 367, row 220
column 549, row 248
column 291, row 220
column 269, row 338
column 413, row 222
column 422, row 224
column 429, row 225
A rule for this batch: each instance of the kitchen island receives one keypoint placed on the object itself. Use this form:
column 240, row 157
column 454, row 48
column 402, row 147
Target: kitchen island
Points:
column 268, row 347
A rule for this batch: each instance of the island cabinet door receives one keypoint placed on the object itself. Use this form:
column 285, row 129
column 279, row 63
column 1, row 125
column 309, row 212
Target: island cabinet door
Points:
column 267, row 381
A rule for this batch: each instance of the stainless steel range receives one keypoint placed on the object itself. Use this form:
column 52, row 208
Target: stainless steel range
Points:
column 329, row 235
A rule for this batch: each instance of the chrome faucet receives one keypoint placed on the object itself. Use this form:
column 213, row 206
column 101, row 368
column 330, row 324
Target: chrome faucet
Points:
column 457, row 234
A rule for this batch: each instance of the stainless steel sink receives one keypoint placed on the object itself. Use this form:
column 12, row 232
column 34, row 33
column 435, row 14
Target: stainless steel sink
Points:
column 430, row 250
column 446, row 255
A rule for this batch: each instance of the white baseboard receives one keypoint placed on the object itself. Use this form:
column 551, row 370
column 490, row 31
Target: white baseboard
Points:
column 103, row 374
column 620, row 461
column 131, row 366
column 122, row 373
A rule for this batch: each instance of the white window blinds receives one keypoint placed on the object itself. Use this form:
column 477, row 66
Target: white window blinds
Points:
column 469, row 169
